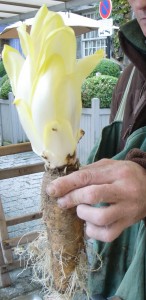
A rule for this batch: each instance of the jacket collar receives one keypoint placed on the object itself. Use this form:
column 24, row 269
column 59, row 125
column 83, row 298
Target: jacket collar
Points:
column 133, row 43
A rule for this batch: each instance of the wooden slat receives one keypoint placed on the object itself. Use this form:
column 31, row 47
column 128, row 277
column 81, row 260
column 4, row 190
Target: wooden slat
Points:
column 23, row 219
column 15, row 148
column 5, row 280
column 7, row 254
column 13, row 242
column 7, row 263
column 13, row 4
column 21, row 170
column 16, row 264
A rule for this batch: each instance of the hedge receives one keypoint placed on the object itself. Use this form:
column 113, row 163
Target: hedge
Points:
column 3, row 79
column 5, row 89
column 2, row 69
column 106, row 67
column 98, row 87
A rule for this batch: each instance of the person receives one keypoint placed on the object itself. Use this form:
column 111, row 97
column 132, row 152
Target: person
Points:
column 110, row 192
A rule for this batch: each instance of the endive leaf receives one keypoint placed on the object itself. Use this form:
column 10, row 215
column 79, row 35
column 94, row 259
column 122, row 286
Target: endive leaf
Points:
column 46, row 83
column 39, row 18
column 59, row 142
column 44, row 23
column 25, row 41
column 70, row 99
column 28, row 125
column 66, row 49
column 24, row 83
column 85, row 65
column 62, row 91
column 13, row 63
column 45, row 26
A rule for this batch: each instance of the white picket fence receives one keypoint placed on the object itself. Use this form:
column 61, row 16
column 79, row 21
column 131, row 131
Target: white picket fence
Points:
column 10, row 128
column 92, row 121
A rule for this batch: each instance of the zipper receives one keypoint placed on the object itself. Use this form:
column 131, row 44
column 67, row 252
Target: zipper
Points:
column 127, row 132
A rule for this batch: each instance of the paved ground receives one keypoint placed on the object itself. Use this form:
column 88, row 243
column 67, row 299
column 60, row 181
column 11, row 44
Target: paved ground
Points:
column 21, row 286
column 20, row 195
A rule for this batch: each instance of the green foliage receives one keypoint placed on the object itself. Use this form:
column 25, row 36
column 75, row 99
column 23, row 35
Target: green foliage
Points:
column 3, row 79
column 106, row 67
column 121, row 13
column 98, row 87
column 6, row 89
column 2, row 69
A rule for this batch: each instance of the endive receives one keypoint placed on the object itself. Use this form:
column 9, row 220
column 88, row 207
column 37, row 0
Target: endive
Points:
column 46, row 82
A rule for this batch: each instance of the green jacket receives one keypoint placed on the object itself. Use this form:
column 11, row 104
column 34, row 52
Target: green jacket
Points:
column 123, row 268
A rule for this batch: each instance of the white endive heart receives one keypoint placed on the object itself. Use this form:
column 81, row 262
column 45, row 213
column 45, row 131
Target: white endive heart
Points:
column 47, row 83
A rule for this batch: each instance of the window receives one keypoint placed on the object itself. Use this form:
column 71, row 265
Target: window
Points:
column 91, row 41
column 89, row 46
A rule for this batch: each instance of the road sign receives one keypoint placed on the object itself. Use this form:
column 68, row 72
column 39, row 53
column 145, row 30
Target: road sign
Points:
column 105, row 8
column 103, row 32
column 105, row 27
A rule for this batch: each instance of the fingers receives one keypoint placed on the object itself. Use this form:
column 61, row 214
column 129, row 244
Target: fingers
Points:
column 97, row 173
column 101, row 216
column 104, row 223
column 63, row 185
column 105, row 233
column 93, row 194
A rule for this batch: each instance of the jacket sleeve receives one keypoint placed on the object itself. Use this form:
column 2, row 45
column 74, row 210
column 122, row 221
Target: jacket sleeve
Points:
column 138, row 156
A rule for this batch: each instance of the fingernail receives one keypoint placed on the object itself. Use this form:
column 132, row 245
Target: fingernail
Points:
column 50, row 190
column 61, row 203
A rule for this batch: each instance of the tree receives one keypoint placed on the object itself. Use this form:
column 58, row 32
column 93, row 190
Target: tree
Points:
column 121, row 13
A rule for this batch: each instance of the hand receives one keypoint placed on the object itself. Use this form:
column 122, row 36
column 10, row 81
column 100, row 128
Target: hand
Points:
column 121, row 184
